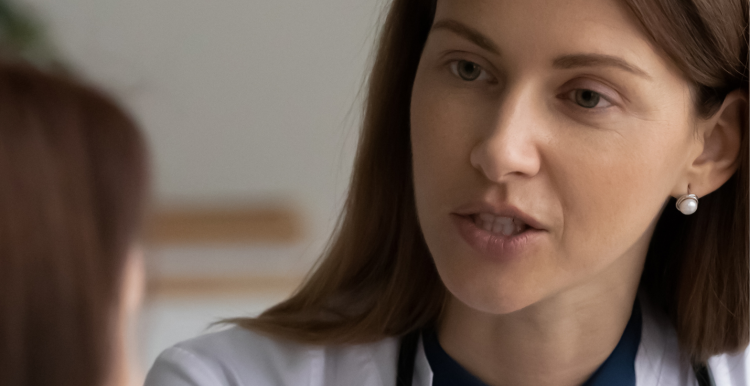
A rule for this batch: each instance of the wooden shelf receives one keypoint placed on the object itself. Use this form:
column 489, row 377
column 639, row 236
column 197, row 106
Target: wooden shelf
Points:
column 213, row 286
column 246, row 224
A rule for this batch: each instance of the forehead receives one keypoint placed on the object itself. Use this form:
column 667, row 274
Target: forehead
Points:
column 536, row 30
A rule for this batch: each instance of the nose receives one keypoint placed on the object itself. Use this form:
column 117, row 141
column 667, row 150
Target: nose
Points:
column 509, row 146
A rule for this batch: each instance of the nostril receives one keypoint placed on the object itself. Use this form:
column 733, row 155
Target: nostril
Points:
column 507, row 152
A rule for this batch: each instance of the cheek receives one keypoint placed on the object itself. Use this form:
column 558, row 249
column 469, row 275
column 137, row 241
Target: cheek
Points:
column 440, row 145
column 612, row 188
column 428, row 142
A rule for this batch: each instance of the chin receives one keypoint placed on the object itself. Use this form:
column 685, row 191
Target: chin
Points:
column 490, row 292
column 495, row 303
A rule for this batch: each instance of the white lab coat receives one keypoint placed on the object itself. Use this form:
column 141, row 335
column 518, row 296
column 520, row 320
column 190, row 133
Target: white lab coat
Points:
column 238, row 357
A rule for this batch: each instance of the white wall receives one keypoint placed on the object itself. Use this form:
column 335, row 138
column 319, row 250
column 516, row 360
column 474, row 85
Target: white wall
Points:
column 240, row 99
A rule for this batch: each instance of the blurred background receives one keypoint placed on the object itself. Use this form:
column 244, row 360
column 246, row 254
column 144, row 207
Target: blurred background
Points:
column 251, row 108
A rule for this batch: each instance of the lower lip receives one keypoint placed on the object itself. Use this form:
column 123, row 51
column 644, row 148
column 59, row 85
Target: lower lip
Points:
column 494, row 246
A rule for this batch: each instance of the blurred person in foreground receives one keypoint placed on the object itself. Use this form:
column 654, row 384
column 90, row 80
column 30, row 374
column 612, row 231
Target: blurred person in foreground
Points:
column 74, row 177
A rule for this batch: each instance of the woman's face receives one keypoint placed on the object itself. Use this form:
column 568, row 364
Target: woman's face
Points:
column 546, row 138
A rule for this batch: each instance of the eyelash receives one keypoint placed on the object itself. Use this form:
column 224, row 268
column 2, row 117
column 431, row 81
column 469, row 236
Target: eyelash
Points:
column 569, row 95
column 453, row 66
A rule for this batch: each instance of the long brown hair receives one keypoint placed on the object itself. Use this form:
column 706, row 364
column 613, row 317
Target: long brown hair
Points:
column 73, row 175
column 377, row 278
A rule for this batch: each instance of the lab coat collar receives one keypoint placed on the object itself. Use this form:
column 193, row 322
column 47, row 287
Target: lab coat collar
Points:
column 657, row 363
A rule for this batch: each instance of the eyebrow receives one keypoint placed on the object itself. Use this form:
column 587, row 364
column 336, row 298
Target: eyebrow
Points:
column 597, row 60
column 467, row 32
column 561, row 62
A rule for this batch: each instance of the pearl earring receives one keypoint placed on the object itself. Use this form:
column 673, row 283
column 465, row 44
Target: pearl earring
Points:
column 688, row 203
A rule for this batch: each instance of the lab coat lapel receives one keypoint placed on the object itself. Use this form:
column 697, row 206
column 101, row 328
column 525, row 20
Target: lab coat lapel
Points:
column 658, row 361
column 361, row 365
column 422, row 370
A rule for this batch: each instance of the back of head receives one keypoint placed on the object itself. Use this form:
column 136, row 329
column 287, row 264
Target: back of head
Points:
column 73, row 175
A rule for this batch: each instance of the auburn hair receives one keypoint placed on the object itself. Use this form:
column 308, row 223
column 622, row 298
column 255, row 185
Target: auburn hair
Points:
column 377, row 279
column 73, row 174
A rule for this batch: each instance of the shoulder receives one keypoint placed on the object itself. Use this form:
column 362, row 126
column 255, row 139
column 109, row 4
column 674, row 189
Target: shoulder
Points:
column 660, row 362
column 731, row 369
column 237, row 356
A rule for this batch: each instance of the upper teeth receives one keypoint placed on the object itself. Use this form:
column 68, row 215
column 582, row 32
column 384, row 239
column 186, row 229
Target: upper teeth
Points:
column 500, row 224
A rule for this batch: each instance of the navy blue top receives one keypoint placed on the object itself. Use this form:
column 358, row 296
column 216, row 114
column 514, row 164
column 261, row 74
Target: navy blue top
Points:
column 617, row 370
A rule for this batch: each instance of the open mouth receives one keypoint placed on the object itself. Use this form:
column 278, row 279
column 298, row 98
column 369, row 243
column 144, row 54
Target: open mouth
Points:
column 499, row 225
column 502, row 235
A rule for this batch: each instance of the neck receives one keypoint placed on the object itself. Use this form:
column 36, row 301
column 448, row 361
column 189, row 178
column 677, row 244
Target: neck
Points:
column 560, row 340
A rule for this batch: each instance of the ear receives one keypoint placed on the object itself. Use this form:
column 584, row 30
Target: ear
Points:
column 721, row 136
